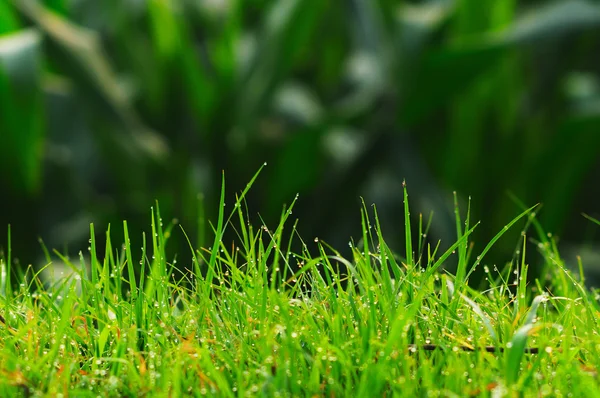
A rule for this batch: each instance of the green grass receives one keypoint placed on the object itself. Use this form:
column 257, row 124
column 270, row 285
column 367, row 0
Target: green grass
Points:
column 253, row 318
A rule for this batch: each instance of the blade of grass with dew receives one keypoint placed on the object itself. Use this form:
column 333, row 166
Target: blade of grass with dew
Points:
column 420, row 239
column 195, row 261
column 478, row 311
column 289, row 253
column 461, row 269
column 60, row 333
column 221, row 223
column 522, row 281
column 580, row 269
column 386, row 279
column 410, row 266
column 462, row 265
column 6, row 269
column 518, row 342
column 423, row 233
column 365, row 272
column 333, row 277
column 397, row 337
column 542, row 235
column 133, row 291
column 242, row 196
column 260, row 292
column 217, row 241
column 275, row 242
column 364, row 222
column 109, row 271
column 200, row 223
column 157, row 279
column 96, row 285
column 495, row 239
column 407, row 230
column 433, row 268
column 142, row 301
column 245, row 240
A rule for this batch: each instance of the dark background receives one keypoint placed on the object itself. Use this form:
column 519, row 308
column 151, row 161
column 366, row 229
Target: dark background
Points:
column 107, row 106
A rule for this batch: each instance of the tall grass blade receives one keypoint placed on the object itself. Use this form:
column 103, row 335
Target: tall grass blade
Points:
column 407, row 230
column 495, row 239
column 518, row 342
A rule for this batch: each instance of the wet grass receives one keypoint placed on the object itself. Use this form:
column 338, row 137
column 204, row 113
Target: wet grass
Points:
column 253, row 318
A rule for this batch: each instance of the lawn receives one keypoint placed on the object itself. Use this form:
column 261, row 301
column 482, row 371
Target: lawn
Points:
column 253, row 318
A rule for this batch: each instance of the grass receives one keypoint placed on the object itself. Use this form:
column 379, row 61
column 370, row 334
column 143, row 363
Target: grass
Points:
column 253, row 318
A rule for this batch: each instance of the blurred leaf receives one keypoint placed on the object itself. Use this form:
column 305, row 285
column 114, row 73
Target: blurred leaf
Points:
column 58, row 6
column 223, row 48
column 368, row 17
column 86, row 63
column 576, row 146
column 583, row 93
column 8, row 20
column 368, row 67
column 202, row 60
column 448, row 71
column 178, row 61
column 368, row 81
column 176, row 55
column 21, row 110
column 288, row 28
column 343, row 145
column 568, row 158
column 165, row 28
column 592, row 219
column 585, row 118
column 445, row 73
column 418, row 23
column 502, row 13
column 552, row 20
column 200, row 85
column 477, row 104
column 299, row 104
column 135, row 50
column 297, row 168
column 232, row 83
column 489, row 95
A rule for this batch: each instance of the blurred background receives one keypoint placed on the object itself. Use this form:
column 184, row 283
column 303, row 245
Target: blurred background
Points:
column 107, row 106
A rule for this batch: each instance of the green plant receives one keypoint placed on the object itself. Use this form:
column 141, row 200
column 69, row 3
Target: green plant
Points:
column 342, row 98
column 254, row 317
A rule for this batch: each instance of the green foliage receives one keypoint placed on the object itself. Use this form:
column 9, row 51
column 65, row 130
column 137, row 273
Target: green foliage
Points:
column 120, row 103
column 262, row 319
column 21, row 111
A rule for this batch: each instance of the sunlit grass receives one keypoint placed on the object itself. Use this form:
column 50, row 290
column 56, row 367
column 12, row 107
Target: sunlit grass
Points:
column 255, row 318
